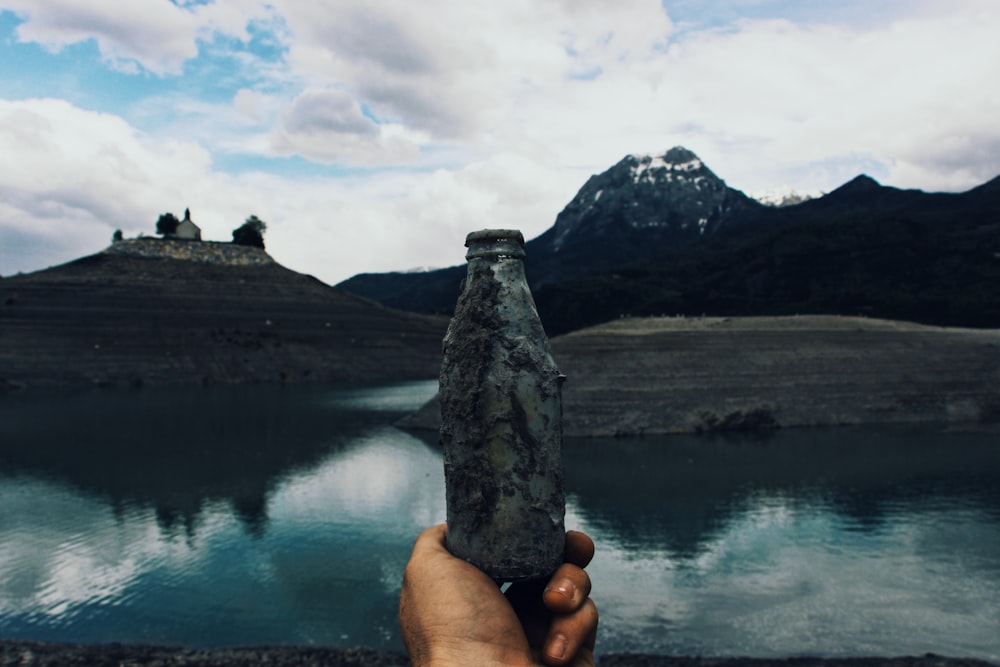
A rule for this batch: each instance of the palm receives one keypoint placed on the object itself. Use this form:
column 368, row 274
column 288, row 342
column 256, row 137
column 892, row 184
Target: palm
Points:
column 453, row 613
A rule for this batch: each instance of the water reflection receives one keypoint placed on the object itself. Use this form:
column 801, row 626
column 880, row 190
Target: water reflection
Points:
column 266, row 515
column 834, row 542
column 217, row 516
column 176, row 450
column 677, row 493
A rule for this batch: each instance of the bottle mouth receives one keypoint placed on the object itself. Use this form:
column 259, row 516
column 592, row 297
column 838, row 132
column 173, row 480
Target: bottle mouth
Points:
column 495, row 243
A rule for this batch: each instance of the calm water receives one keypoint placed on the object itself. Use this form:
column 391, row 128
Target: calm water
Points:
column 268, row 516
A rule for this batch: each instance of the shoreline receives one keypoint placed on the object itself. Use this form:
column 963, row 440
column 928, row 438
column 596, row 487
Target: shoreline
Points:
column 662, row 375
column 24, row 653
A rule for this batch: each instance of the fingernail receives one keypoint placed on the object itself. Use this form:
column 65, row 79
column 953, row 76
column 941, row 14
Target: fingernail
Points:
column 557, row 647
column 563, row 587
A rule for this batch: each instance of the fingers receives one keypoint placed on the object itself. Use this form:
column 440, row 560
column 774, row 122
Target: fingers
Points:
column 572, row 632
column 572, row 635
column 567, row 589
column 431, row 539
column 579, row 548
column 428, row 552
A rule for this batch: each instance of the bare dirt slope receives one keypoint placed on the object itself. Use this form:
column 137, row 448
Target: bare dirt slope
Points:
column 112, row 319
column 682, row 375
column 670, row 375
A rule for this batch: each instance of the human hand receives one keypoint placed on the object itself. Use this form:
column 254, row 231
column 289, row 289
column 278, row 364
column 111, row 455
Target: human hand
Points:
column 451, row 613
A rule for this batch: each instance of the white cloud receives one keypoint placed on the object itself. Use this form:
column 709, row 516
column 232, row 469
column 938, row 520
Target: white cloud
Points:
column 793, row 95
column 71, row 177
column 402, row 220
column 488, row 114
column 55, row 152
column 158, row 35
column 456, row 70
column 328, row 125
column 250, row 104
column 589, row 83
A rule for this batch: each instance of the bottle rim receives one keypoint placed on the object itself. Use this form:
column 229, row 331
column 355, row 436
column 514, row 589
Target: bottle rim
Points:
column 494, row 236
column 495, row 244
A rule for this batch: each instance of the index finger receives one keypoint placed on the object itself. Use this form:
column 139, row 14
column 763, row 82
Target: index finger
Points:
column 431, row 540
column 579, row 548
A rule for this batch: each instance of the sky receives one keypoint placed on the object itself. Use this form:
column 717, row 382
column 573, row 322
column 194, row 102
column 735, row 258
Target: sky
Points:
column 374, row 135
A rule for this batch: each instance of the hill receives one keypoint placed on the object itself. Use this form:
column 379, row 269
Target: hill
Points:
column 141, row 316
column 664, row 235
column 652, row 376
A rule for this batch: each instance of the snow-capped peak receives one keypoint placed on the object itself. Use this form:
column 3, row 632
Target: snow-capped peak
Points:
column 783, row 196
column 677, row 159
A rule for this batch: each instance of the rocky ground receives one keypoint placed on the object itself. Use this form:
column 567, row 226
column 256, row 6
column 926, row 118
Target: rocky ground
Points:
column 683, row 375
column 35, row 654
column 928, row 660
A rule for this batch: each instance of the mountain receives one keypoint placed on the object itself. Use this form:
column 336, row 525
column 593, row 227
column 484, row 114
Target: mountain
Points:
column 864, row 249
column 664, row 235
column 784, row 196
column 632, row 211
column 143, row 317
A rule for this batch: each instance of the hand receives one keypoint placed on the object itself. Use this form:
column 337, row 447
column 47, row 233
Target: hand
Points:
column 451, row 613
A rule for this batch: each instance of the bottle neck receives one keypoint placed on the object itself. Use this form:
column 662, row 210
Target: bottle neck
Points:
column 495, row 245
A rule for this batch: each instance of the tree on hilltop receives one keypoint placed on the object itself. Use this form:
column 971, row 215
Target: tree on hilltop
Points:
column 167, row 224
column 250, row 233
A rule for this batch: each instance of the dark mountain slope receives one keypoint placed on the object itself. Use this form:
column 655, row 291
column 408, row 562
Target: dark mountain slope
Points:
column 934, row 259
column 664, row 235
column 431, row 292
column 119, row 319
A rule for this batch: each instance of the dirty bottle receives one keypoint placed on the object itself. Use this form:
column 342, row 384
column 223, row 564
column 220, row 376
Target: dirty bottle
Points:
column 501, row 420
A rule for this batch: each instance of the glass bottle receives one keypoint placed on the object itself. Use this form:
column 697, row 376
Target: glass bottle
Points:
column 501, row 420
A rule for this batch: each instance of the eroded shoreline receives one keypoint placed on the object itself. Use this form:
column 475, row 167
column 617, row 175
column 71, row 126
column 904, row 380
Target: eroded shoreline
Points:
column 663, row 375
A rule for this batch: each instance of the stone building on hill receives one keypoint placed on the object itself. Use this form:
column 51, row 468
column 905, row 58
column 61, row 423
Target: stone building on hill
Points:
column 187, row 229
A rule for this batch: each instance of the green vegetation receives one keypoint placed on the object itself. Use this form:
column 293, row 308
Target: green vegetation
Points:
column 167, row 224
column 250, row 233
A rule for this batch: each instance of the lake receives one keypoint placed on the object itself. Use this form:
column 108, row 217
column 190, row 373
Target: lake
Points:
column 268, row 515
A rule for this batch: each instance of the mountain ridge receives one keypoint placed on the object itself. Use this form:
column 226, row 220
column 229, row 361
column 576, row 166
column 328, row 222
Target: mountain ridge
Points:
column 654, row 235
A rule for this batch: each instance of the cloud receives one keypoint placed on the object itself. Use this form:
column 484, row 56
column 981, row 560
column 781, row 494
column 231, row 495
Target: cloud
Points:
column 475, row 114
column 775, row 95
column 328, row 125
column 250, row 104
column 158, row 35
column 589, row 83
column 71, row 177
column 404, row 220
column 455, row 70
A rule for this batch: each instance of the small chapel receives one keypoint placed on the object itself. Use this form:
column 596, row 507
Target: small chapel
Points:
column 187, row 229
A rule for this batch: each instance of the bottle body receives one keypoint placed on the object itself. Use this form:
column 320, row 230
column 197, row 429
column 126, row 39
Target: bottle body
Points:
column 501, row 420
